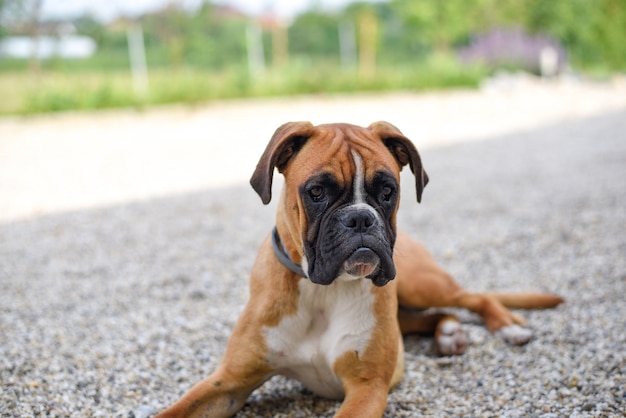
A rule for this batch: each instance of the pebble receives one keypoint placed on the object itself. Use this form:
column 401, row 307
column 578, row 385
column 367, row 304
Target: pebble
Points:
column 144, row 411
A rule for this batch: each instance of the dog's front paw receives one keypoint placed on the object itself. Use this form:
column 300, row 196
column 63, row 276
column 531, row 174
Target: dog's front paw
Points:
column 451, row 339
column 514, row 334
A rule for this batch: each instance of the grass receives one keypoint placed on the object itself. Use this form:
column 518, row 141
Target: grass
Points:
column 25, row 92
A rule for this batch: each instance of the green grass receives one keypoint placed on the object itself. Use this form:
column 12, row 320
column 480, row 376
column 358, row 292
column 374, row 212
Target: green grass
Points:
column 52, row 90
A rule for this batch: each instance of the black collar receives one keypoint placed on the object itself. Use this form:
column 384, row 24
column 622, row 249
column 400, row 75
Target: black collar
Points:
column 283, row 256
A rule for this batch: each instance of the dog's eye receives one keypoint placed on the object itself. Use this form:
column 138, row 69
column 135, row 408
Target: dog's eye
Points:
column 317, row 193
column 387, row 192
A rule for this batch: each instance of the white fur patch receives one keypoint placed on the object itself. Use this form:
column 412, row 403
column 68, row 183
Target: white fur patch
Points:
column 359, row 186
column 452, row 340
column 450, row 327
column 359, row 179
column 305, row 265
column 514, row 334
column 331, row 320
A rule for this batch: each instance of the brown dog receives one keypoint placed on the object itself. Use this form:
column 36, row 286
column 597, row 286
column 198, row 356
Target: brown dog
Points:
column 323, row 305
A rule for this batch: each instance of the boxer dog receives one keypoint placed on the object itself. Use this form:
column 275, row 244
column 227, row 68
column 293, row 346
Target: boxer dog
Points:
column 335, row 284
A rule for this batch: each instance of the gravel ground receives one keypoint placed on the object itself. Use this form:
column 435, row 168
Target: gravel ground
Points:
column 116, row 310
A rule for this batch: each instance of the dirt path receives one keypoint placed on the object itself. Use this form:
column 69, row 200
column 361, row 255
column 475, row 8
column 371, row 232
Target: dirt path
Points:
column 63, row 162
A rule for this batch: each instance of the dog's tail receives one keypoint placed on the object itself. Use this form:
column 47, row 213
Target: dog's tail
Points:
column 528, row 300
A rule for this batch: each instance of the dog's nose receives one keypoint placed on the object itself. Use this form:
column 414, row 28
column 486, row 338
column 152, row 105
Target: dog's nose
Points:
column 358, row 220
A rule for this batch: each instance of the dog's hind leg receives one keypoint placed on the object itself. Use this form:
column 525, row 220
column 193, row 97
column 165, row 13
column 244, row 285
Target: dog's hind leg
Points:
column 450, row 339
column 423, row 284
column 498, row 319
column 437, row 289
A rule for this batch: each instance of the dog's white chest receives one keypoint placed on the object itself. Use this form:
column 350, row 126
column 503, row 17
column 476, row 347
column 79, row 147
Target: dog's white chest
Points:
column 330, row 321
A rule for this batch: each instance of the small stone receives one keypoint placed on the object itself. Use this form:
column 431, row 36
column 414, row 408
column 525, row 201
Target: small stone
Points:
column 144, row 411
column 588, row 406
column 197, row 294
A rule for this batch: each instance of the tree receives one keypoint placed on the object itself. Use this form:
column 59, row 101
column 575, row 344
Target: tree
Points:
column 315, row 33
column 593, row 31
column 441, row 24
column 169, row 26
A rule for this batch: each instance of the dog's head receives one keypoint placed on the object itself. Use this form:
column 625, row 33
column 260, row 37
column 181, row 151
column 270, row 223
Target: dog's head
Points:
column 341, row 194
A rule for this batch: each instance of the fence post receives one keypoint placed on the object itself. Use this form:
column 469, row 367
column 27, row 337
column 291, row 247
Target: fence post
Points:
column 368, row 31
column 256, row 54
column 347, row 45
column 548, row 62
column 280, row 44
column 138, row 66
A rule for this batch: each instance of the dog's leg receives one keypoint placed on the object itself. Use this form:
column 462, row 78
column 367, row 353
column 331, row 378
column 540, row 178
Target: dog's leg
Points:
column 243, row 369
column 498, row 319
column 366, row 388
column 442, row 292
column 450, row 339
column 423, row 284
column 364, row 400
column 368, row 375
column 221, row 394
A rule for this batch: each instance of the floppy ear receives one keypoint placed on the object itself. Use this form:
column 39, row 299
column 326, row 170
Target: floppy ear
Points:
column 404, row 151
column 285, row 143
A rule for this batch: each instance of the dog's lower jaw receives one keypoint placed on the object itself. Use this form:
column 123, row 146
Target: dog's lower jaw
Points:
column 378, row 279
column 373, row 263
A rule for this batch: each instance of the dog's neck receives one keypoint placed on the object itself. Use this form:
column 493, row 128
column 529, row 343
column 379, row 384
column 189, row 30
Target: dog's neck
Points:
column 283, row 256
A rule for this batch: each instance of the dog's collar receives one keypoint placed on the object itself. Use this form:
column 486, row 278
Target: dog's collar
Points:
column 283, row 256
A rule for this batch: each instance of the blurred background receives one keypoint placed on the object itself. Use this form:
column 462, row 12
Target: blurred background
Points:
column 110, row 101
column 92, row 54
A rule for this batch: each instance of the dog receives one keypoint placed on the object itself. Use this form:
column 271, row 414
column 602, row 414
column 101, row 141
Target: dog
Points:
column 335, row 285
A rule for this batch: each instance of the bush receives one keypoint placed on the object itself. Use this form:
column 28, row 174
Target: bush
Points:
column 52, row 90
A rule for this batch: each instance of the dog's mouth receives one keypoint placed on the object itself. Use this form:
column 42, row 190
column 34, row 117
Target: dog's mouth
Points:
column 350, row 258
column 366, row 263
column 362, row 263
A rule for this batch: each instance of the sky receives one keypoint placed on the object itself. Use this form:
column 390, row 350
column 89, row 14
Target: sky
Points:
column 109, row 9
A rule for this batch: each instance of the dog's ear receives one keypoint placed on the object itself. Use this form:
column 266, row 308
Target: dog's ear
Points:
column 404, row 151
column 285, row 143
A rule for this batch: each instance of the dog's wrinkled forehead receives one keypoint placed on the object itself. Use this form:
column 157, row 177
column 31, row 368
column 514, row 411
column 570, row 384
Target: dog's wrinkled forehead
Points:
column 343, row 151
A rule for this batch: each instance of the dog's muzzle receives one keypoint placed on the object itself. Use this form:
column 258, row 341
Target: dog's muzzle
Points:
column 353, row 244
